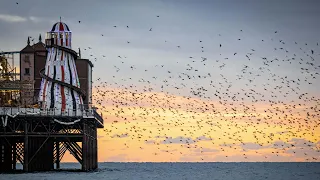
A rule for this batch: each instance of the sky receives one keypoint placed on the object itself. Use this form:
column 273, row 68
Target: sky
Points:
column 191, row 80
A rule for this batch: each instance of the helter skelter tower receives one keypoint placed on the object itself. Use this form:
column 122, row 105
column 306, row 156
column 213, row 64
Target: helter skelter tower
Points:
column 60, row 87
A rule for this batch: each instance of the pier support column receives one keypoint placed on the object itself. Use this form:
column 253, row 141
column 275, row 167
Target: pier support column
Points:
column 89, row 147
column 85, row 148
column 58, row 154
column 5, row 155
column 95, row 148
column 26, row 148
column 14, row 155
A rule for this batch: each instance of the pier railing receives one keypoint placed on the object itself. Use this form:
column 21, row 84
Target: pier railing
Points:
column 87, row 111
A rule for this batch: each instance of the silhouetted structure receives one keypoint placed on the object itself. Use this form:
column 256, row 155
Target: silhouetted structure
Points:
column 37, row 134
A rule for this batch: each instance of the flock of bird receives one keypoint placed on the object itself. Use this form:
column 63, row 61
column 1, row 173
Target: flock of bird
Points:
column 261, row 109
column 208, row 112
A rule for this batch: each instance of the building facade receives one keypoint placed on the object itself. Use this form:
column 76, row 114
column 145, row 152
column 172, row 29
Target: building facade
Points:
column 33, row 59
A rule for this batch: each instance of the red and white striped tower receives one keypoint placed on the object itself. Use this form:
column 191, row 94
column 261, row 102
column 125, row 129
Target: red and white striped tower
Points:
column 60, row 87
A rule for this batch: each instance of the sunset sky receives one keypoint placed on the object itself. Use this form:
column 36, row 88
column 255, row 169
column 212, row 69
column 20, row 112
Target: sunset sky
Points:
column 192, row 80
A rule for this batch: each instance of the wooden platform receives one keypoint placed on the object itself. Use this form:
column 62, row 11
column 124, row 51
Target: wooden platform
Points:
column 38, row 139
column 89, row 113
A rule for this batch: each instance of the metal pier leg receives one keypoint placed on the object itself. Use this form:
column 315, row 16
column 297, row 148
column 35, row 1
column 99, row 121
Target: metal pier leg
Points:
column 58, row 154
column 26, row 148
column 84, row 148
column 95, row 149
column 14, row 155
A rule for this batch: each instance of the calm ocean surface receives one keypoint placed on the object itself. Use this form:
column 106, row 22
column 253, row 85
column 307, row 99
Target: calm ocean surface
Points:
column 177, row 171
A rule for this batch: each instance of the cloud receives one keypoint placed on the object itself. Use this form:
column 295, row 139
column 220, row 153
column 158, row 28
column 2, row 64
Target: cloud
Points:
column 298, row 142
column 251, row 146
column 117, row 158
column 203, row 138
column 184, row 140
column 187, row 158
column 160, row 137
column 150, row 141
column 35, row 19
column 250, row 158
column 172, row 150
column 279, row 144
column 120, row 136
column 15, row 19
column 282, row 132
column 12, row 18
column 178, row 140
column 202, row 150
column 294, row 142
column 305, row 153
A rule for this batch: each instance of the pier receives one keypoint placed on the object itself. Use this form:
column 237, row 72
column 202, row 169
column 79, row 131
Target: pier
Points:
column 38, row 139
column 46, row 108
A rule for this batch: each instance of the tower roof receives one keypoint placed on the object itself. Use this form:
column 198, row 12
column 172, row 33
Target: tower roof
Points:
column 59, row 26
column 28, row 48
column 40, row 46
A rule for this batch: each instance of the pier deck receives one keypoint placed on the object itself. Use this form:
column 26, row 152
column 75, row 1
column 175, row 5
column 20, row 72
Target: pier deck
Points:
column 38, row 139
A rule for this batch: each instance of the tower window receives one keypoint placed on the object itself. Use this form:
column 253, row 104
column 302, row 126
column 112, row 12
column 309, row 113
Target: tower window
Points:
column 27, row 58
column 27, row 71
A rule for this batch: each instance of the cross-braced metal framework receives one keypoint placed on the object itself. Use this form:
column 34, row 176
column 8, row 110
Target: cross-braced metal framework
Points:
column 19, row 152
column 40, row 142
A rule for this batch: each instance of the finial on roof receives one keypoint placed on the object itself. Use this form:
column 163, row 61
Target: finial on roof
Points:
column 40, row 39
column 79, row 53
column 28, row 42
column 60, row 18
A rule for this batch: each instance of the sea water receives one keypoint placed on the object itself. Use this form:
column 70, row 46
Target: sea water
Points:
column 180, row 171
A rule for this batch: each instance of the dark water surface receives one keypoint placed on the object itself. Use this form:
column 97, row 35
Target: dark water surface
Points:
column 177, row 171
